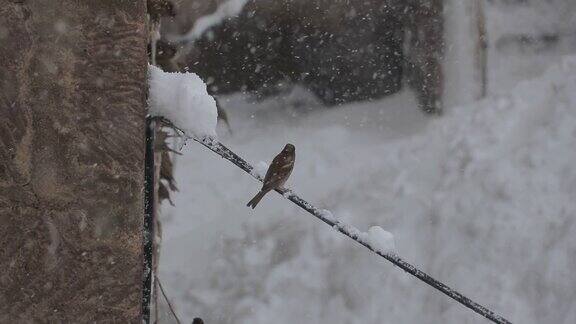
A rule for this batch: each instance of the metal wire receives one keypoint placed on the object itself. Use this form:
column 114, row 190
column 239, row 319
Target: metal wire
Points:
column 350, row 231
column 148, row 231
column 345, row 229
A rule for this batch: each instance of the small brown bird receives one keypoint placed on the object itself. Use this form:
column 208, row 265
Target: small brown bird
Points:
column 277, row 173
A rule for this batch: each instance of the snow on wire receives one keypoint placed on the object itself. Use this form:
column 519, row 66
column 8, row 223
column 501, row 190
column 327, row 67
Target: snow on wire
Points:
column 370, row 240
column 351, row 232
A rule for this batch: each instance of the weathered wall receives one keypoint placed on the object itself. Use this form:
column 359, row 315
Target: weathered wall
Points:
column 72, row 108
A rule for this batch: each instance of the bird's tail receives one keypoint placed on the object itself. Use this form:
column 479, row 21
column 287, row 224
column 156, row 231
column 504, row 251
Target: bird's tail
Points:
column 252, row 203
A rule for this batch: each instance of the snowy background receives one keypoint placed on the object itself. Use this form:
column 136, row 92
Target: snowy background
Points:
column 481, row 198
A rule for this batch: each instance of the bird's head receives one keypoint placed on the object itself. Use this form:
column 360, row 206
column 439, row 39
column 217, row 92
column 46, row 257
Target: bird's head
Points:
column 289, row 148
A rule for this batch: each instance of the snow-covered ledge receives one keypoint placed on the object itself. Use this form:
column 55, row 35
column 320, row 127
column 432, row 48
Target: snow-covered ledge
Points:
column 182, row 98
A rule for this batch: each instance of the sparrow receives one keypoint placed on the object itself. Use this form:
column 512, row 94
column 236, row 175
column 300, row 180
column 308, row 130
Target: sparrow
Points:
column 277, row 173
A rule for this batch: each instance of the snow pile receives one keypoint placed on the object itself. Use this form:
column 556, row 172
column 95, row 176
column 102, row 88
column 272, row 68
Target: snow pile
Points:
column 230, row 8
column 327, row 215
column 260, row 169
column 182, row 98
column 482, row 199
column 380, row 240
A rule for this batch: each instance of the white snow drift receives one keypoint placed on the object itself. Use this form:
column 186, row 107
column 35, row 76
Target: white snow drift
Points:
column 182, row 98
column 482, row 199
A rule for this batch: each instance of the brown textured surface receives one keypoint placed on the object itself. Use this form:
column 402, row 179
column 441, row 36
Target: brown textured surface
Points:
column 72, row 107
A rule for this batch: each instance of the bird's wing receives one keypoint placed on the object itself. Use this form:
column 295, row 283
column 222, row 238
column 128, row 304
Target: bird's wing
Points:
column 278, row 172
column 274, row 167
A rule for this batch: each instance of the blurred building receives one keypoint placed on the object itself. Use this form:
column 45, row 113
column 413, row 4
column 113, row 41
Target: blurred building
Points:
column 342, row 50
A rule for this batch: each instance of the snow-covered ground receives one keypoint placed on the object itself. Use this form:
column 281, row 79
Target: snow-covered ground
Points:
column 482, row 199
